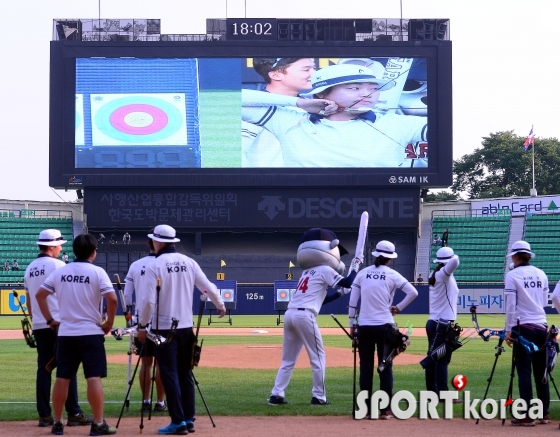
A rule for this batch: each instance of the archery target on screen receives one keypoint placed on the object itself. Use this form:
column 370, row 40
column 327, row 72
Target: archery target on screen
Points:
column 138, row 119
column 292, row 291
column 79, row 134
column 283, row 295
column 228, row 295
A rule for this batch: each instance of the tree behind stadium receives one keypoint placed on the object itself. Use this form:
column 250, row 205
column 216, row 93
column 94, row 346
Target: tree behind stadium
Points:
column 502, row 168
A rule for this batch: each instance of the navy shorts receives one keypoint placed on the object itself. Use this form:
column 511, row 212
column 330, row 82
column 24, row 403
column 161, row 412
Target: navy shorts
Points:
column 148, row 350
column 87, row 350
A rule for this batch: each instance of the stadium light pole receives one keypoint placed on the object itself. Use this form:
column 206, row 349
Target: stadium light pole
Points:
column 99, row 19
column 401, row 38
column 533, row 190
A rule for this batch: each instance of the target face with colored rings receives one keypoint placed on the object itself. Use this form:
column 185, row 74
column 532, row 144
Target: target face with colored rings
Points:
column 146, row 119
column 282, row 295
column 79, row 121
column 227, row 295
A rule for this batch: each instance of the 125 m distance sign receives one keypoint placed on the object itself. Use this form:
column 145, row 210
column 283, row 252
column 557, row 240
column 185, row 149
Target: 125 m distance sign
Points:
column 251, row 29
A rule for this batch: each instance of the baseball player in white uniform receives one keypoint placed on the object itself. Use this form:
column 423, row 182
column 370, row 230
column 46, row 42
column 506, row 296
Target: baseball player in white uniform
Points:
column 176, row 276
column 375, row 288
column 340, row 114
column 133, row 278
column 526, row 296
column 50, row 243
column 80, row 288
column 319, row 255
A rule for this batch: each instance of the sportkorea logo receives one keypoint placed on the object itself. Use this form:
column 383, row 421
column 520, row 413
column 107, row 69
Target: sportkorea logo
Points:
column 393, row 180
column 425, row 403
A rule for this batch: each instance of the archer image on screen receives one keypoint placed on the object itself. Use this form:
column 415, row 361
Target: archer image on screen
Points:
column 368, row 112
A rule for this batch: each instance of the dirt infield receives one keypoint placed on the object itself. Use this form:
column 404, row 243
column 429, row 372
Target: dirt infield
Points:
column 12, row 334
column 296, row 426
column 269, row 356
column 265, row 356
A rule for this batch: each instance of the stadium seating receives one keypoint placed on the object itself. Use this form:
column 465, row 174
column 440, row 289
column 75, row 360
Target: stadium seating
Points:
column 480, row 242
column 18, row 233
column 543, row 232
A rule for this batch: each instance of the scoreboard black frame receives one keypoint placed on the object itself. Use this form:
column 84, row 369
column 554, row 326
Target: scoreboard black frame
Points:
column 65, row 170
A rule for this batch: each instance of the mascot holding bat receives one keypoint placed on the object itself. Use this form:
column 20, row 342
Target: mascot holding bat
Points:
column 319, row 256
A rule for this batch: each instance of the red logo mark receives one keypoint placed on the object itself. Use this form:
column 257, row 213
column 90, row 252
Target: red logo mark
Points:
column 459, row 382
column 419, row 150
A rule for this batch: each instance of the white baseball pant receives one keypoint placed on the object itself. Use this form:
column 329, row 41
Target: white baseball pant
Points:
column 300, row 329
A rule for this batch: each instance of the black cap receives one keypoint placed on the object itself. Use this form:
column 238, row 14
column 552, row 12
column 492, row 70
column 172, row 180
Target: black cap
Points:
column 324, row 235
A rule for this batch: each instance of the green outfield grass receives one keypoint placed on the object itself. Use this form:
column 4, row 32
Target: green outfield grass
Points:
column 220, row 120
column 244, row 392
column 324, row 321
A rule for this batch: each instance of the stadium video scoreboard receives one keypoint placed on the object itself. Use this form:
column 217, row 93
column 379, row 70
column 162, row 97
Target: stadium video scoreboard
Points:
column 198, row 114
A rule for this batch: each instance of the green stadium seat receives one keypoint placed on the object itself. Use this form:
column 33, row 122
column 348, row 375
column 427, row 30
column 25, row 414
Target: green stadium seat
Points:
column 469, row 236
column 541, row 231
column 18, row 233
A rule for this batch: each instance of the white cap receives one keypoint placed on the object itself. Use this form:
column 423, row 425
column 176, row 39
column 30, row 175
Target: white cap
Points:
column 521, row 247
column 444, row 255
column 164, row 234
column 50, row 237
column 377, row 67
column 333, row 75
column 385, row 249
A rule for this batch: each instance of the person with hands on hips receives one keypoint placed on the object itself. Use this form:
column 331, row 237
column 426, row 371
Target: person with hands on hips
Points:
column 167, row 291
column 526, row 295
column 80, row 288
column 443, row 312
column 319, row 256
column 50, row 243
column 375, row 288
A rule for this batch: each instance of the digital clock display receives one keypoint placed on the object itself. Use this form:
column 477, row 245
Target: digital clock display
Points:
column 251, row 29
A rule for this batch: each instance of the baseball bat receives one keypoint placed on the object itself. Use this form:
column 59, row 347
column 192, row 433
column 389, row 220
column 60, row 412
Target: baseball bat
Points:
column 362, row 235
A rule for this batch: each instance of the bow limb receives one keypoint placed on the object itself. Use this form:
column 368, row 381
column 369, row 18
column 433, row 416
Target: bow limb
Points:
column 25, row 324
column 480, row 332
column 27, row 335
column 484, row 333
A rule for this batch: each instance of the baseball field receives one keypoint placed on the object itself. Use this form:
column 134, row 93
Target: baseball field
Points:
column 237, row 371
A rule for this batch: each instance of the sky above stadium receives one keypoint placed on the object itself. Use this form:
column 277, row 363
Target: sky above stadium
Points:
column 505, row 65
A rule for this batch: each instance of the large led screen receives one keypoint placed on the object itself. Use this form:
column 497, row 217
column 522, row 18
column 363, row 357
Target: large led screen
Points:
column 252, row 112
column 168, row 114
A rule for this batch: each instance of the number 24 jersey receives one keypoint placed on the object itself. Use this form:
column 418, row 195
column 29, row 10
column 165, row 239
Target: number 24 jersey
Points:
column 312, row 288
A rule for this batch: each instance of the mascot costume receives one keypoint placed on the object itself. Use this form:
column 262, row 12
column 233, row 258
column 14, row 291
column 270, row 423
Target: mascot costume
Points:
column 318, row 255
